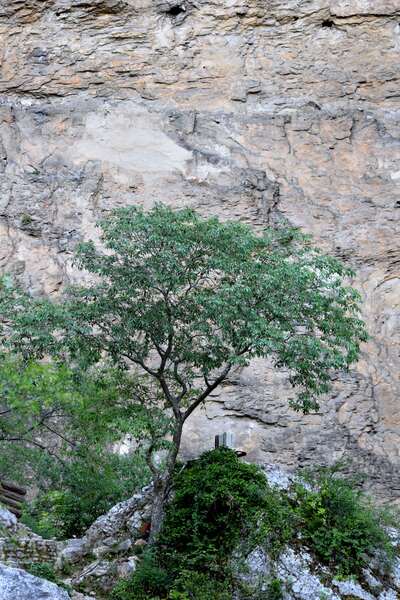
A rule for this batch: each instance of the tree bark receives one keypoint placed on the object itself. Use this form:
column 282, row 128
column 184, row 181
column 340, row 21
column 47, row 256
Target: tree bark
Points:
column 162, row 486
column 158, row 511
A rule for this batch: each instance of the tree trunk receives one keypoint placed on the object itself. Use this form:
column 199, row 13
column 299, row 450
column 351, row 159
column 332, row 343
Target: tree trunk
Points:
column 158, row 511
column 162, row 485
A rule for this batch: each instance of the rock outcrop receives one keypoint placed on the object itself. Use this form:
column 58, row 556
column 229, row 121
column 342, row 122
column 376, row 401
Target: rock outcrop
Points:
column 108, row 551
column 248, row 109
column 16, row 584
column 7, row 519
column 109, row 548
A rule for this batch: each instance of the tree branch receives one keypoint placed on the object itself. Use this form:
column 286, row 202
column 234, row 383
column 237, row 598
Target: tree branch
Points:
column 207, row 392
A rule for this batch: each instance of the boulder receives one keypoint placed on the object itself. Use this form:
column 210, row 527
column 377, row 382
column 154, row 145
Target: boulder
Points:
column 126, row 567
column 114, row 523
column 7, row 519
column 73, row 552
column 16, row 584
column 99, row 575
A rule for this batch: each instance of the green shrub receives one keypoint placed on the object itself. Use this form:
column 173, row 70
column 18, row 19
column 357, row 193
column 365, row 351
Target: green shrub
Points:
column 26, row 220
column 218, row 500
column 148, row 582
column 278, row 524
column 44, row 570
column 340, row 525
column 274, row 590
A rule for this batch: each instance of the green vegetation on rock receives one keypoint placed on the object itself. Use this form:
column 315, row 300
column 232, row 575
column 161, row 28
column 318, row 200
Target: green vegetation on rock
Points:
column 222, row 509
column 340, row 524
column 46, row 570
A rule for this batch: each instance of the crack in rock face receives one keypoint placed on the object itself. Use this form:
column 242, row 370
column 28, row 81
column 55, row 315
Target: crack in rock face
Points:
column 246, row 110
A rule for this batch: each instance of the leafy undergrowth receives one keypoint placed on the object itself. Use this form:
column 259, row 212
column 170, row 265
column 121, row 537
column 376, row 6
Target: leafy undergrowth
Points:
column 340, row 524
column 223, row 508
column 86, row 488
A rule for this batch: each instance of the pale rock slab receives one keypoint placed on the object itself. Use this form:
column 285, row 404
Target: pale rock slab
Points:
column 16, row 584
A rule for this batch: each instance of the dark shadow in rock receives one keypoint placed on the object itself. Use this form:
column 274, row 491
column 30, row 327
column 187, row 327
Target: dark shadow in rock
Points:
column 175, row 10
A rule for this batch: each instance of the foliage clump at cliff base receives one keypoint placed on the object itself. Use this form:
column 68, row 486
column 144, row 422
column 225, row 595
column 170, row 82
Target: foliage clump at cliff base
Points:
column 223, row 508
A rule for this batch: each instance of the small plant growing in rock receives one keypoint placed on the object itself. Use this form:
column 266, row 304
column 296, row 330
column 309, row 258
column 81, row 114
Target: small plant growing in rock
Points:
column 26, row 220
column 274, row 589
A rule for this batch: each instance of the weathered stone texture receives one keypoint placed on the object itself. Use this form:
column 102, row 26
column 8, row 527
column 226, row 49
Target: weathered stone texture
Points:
column 16, row 584
column 255, row 110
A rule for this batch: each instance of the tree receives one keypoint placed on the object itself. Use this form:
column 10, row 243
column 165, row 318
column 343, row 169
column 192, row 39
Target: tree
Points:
column 185, row 300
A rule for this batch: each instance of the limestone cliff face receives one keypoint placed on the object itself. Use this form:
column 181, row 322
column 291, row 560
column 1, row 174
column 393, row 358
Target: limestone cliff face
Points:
column 248, row 109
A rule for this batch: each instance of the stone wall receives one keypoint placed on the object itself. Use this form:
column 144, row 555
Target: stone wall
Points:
column 247, row 109
column 23, row 552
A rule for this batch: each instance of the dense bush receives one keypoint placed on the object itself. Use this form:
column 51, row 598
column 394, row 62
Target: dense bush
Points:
column 85, row 489
column 192, row 585
column 152, row 582
column 217, row 502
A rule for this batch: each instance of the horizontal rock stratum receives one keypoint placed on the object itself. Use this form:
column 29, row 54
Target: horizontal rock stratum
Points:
column 252, row 110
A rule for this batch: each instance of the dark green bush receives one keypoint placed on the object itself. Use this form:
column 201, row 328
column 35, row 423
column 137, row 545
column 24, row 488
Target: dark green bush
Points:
column 217, row 502
column 44, row 570
column 191, row 585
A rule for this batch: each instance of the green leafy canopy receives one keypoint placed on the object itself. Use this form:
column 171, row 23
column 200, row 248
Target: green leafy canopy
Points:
column 187, row 299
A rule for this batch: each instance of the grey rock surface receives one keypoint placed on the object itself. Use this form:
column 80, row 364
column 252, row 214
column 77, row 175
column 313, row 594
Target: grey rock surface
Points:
column 109, row 528
column 296, row 569
column 16, row 584
column 249, row 110
column 304, row 579
column 7, row 519
column 73, row 552
column 110, row 540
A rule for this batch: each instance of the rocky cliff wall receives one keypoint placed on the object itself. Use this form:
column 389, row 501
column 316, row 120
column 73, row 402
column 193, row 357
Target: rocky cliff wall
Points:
column 248, row 109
